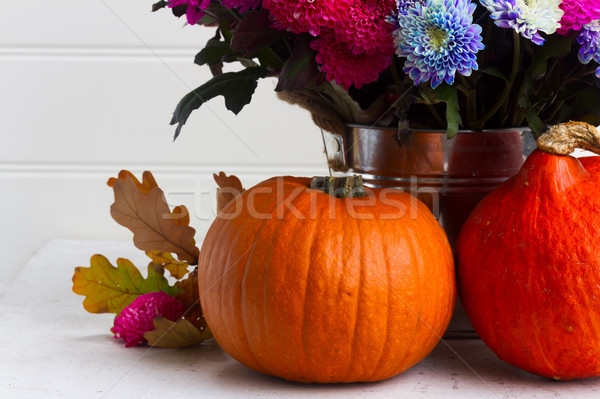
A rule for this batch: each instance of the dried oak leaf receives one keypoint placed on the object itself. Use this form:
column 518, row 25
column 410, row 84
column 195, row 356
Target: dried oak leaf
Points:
column 175, row 334
column 177, row 268
column 229, row 188
column 190, row 297
column 141, row 207
column 109, row 289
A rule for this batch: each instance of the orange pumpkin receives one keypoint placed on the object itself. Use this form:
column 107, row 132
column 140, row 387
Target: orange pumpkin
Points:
column 305, row 286
column 529, row 263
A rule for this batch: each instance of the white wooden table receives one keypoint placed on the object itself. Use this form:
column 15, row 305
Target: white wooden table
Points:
column 51, row 347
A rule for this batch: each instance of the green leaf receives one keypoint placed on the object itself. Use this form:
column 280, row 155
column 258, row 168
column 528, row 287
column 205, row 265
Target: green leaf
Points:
column 214, row 14
column 179, row 11
column 253, row 33
column 236, row 87
column 523, row 100
column 493, row 71
column 213, row 53
column 535, row 123
column 248, row 63
column 109, row 289
column 558, row 47
column 300, row 68
column 449, row 95
column 157, row 6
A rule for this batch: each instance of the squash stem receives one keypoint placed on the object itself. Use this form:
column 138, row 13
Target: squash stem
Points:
column 340, row 187
column 564, row 138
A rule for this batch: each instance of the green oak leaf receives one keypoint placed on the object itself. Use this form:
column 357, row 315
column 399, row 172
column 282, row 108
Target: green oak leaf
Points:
column 109, row 289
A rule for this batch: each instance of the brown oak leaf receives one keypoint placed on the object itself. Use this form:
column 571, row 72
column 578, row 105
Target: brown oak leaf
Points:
column 190, row 297
column 174, row 334
column 229, row 188
column 142, row 208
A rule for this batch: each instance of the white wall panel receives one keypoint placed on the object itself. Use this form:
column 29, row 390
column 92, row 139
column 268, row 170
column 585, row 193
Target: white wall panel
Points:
column 87, row 88
column 38, row 205
column 95, row 23
column 98, row 109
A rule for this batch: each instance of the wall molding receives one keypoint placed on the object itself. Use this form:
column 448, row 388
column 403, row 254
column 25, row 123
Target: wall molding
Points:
column 98, row 52
column 110, row 168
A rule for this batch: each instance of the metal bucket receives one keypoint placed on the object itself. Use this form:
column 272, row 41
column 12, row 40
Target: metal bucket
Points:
column 450, row 176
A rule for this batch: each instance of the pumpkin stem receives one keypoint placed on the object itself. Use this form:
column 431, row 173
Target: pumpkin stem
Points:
column 340, row 187
column 564, row 138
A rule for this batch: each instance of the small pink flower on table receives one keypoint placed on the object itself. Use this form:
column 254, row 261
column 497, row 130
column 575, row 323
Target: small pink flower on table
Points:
column 137, row 318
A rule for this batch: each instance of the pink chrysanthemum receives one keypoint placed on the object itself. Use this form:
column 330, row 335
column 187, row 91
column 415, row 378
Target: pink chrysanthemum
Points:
column 194, row 8
column 301, row 16
column 136, row 319
column 243, row 5
column 346, row 68
column 365, row 27
column 578, row 13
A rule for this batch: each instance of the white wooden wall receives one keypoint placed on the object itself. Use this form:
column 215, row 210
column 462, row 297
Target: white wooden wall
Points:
column 87, row 88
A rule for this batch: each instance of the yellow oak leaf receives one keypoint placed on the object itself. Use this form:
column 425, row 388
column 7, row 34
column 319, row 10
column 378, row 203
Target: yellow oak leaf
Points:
column 175, row 334
column 177, row 268
column 229, row 188
column 109, row 289
column 142, row 208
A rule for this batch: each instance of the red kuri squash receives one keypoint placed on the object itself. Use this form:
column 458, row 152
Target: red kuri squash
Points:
column 529, row 260
column 302, row 285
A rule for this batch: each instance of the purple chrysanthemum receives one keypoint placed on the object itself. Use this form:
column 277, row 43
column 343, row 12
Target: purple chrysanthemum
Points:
column 194, row 8
column 589, row 38
column 438, row 39
column 528, row 18
column 405, row 5
column 137, row 318
column 243, row 5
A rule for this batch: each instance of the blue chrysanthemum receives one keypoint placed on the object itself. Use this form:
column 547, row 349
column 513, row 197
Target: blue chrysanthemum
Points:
column 438, row 39
column 405, row 5
column 589, row 38
column 527, row 17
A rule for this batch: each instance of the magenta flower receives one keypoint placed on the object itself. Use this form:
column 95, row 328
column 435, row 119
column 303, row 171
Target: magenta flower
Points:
column 365, row 27
column 136, row 319
column 578, row 13
column 301, row 16
column 344, row 67
column 243, row 5
column 194, row 8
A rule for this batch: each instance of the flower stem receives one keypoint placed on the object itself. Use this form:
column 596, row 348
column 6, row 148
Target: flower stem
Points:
column 471, row 95
column 436, row 115
column 479, row 123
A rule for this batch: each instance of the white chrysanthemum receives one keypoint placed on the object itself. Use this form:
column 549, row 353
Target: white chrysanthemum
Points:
column 528, row 17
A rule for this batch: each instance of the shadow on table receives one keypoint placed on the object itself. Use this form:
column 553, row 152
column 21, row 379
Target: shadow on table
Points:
column 467, row 365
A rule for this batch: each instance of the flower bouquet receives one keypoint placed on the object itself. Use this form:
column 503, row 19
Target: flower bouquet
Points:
column 440, row 64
